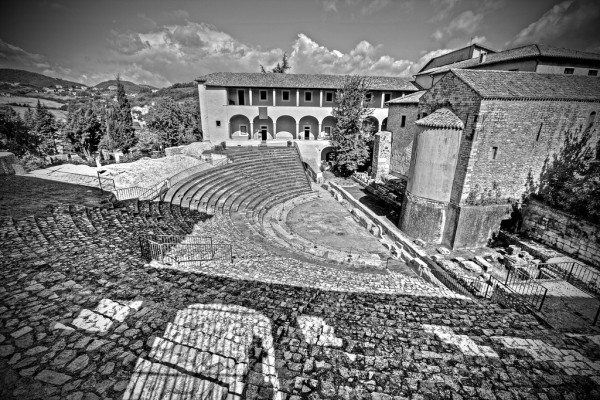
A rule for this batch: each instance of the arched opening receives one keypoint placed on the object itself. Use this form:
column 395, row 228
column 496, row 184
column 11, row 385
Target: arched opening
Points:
column 327, row 157
column 384, row 124
column 327, row 127
column 285, row 127
column 309, row 128
column 370, row 125
column 239, row 127
column 263, row 129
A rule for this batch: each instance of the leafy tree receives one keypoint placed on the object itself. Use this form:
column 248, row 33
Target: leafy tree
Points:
column 173, row 123
column 119, row 129
column 570, row 181
column 280, row 68
column 83, row 129
column 351, row 137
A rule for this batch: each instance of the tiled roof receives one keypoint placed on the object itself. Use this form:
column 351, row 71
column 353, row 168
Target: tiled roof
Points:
column 530, row 85
column 529, row 51
column 489, row 50
column 271, row 80
column 441, row 118
column 412, row 98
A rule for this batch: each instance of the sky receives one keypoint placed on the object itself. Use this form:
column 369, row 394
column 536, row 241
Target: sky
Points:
column 159, row 42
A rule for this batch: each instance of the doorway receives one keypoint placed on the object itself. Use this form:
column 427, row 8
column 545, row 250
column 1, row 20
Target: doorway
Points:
column 241, row 98
column 263, row 132
column 307, row 132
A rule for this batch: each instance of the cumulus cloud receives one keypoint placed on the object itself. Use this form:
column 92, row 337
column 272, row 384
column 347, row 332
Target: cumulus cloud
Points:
column 165, row 54
column 310, row 57
column 569, row 23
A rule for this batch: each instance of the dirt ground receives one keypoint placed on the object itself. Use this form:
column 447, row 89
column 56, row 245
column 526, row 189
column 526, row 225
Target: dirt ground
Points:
column 21, row 196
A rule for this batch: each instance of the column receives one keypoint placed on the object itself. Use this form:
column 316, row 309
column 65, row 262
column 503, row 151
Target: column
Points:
column 250, row 100
column 274, row 98
column 320, row 100
column 320, row 124
column 297, row 97
column 382, row 97
column 251, row 133
column 298, row 136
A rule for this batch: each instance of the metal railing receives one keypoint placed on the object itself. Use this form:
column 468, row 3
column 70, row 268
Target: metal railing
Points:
column 451, row 282
column 142, row 193
column 161, row 188
column 97, row 181
column 578, row 275
column 175, row 249
column 528, row 290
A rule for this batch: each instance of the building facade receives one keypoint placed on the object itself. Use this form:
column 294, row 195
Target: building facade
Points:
column 510, row 125
column 257, row 106
column 402, row 114
column 531, row 58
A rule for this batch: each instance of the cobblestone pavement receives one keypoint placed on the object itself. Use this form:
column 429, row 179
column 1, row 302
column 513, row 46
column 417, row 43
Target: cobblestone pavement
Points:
column 83, row 317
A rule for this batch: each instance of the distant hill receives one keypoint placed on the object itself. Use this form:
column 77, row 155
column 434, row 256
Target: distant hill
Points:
column 27, row 78
column 130, row 87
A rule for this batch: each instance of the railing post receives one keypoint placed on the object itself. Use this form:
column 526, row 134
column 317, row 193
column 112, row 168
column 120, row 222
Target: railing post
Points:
column 543, row 299
column 570, row 272
column 507, row 275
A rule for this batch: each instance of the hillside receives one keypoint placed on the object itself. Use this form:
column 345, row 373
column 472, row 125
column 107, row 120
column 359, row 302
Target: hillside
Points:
column 130, row 87
column 33, row 79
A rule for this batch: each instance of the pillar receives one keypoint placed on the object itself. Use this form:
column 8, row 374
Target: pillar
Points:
column 320, row 124
column 274, row 97
column 382, row 152
column 320, row 99
column 297, row 97
column 250, row 95
column 298, row 135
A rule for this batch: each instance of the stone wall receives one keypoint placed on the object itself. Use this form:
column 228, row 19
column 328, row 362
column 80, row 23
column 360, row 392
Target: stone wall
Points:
column 524, row 133
column 381, row 154
column 402, row 136
column 562, row 231
column 454, row 94
column 6, row 163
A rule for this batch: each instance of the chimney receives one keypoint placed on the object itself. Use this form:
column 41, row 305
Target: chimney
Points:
column 482, row 57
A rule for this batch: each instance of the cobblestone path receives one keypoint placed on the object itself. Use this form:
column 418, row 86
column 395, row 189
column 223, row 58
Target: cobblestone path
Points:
column 83, row 317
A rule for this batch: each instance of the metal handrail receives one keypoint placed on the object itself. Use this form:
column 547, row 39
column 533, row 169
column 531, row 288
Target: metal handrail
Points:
column 175, row 249
column 98, row 181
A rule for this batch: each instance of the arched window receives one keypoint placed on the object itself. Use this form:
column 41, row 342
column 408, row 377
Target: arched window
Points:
column 591, row 119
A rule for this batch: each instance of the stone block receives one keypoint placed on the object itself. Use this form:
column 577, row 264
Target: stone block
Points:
column 482, row 262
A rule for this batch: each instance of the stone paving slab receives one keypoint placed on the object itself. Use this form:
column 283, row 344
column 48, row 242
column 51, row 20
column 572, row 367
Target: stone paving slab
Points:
column 273, row 327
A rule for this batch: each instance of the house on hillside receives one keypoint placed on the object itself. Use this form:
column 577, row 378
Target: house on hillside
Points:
column 480, row 132
column 531, row 58
column 243, row 106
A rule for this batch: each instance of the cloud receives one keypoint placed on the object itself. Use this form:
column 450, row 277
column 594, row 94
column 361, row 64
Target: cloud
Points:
column 465, row 23
column 15, row 57
column 309, row 57
column 443, row 8
column 367, row 7
column 374, row 6
column 572, row 23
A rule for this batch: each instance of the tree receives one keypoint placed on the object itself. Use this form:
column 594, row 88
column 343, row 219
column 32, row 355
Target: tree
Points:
column 43, row 130
column 14, row 133
column 571, row 180
column 84, row 130
column 350, row 137
column 279, row 68
column 173, row 123
column 119, row 129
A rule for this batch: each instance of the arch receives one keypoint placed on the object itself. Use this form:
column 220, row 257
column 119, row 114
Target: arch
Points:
column 285, row 127
column 236, row 127
column 313, row 125
column 371, row 125
column 326, row 152
column 257, row 123
column 329, row 123
column 384, row 124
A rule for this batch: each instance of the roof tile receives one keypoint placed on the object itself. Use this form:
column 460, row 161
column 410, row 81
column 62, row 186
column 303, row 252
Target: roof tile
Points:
column 530, row 85
column 272, row 80
column 412, row 98
column 441, row 118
